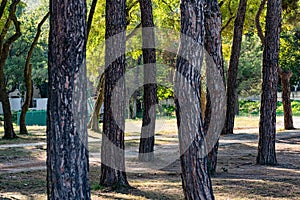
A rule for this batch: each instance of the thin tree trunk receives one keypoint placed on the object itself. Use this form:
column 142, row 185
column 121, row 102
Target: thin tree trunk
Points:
column 267, row 124
column 28, row 84
column 233, row 68
column 286, row 98
column 146, row 148
column 213, row 46
column 94, row 120
column 2, row 7
column 9, row 132
column 195, row 176
column 27, row 78
column 90, row 17
column 112, row 150
column 67, row 147
column 257, row 21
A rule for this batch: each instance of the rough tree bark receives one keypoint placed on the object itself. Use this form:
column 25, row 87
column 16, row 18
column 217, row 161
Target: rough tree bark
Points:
column 94, row 121
column 267, row 124
column 112, row 149
column 286, row 98
column 146, row 147
column 195, row 176
column 213, row 47
column 27, row 77
column 67, row 150
column 5, row 44
column 233, row 68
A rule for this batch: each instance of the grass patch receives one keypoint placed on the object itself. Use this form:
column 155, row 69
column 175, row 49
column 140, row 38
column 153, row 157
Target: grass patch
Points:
column 246, row 122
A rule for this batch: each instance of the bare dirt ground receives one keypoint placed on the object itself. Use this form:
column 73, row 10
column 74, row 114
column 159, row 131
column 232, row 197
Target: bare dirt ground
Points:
column 22, row 165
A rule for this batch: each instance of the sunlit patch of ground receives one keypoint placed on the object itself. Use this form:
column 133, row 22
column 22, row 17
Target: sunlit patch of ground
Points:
column 238, row 177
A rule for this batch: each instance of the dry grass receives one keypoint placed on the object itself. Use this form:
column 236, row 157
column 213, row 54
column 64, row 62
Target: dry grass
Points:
column 237, row 178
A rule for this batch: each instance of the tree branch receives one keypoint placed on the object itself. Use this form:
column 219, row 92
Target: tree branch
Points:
column 232, row 16
column 130, row 35
column 168, row 5
column 257, row 22
column 221, row 4
column 5, row 48
column 35, row 40
column 2, row 7
column 90, row 17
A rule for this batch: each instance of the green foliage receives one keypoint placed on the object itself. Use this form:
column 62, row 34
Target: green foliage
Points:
column 95, row 44
column 249, row 72
column 164, row 92
column 289, row 53
column 166, row 110
column 29, row 18
column 229, row 11
column 247, row 107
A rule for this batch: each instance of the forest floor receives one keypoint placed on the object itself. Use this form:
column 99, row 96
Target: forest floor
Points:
column 23, row 170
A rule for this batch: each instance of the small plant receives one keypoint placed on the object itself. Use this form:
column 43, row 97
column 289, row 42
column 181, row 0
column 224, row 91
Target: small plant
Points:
column 97, row 186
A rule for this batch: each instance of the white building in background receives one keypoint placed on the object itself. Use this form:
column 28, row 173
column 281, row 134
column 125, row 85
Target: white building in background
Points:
column 16, row 104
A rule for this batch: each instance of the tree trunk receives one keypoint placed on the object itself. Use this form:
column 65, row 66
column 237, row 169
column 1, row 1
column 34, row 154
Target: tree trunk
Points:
column 9, row 132
column 132, row 106
column 286, row 99
column 5, row 44
column 213, row 47
column 146, row 148
column 94, row 120
column 90, row 17
column 112, row 149
column 195, row 176
column 67, row 148
column 267, row 124
column 233, row 67
column 27, row 78
column 28, row 83
column 257, row 21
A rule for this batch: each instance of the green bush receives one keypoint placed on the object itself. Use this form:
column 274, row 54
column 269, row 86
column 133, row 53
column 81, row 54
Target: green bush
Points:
column 166, row 110
column 248, row 107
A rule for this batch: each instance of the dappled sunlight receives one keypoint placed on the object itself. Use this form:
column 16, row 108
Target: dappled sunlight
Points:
column 237, row 177
column 20, row 196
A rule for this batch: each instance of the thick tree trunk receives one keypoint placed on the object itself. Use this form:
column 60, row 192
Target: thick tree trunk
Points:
column 286, row 99
column 213, row 47
column 146, row 148
column 233, row 67
column 94, row 120
column 27, row 78
column 195, row 176
column 112, row 149
column 5, row 44
column 67, row 148
column 9, row 132
column 267, row 124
